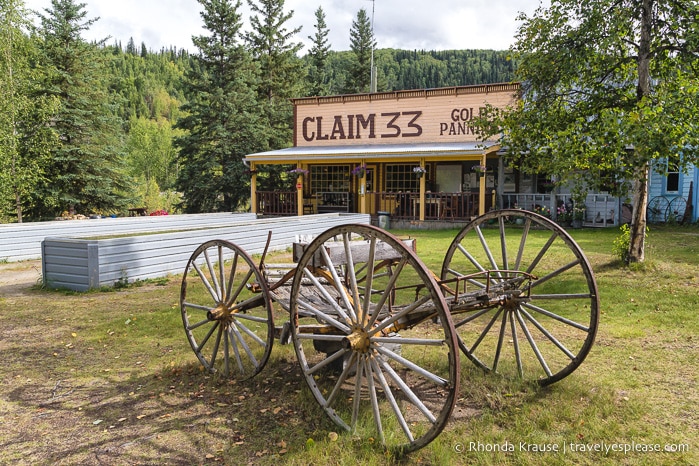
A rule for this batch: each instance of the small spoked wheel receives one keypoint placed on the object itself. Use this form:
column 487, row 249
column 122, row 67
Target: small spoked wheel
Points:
column 373, row 336
column 226, row 310
column 539, row 305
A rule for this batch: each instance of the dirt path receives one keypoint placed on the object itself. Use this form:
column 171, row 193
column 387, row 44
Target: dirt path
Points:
column 17, row 277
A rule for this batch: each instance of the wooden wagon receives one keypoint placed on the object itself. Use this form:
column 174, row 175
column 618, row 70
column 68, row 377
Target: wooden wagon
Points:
column 378, row 335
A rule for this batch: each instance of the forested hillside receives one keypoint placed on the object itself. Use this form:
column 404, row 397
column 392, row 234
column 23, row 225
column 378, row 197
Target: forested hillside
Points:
column 94, row 128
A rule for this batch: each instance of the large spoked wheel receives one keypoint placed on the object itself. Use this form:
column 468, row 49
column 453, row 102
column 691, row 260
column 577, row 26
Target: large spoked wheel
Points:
column 538, row 309
column 226, row 310
column 373, row 336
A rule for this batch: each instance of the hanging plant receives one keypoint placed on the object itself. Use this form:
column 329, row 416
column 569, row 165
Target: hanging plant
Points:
column 480, row 169
column 359, row 171
column 419, row 171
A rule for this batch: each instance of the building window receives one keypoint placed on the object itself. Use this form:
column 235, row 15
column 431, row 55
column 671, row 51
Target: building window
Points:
column 330, row 178
column 673, row 177
column 403, row 178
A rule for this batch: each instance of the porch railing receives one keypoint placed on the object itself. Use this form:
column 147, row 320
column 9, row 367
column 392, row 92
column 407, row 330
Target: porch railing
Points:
column 277, row 203
column 438, row 206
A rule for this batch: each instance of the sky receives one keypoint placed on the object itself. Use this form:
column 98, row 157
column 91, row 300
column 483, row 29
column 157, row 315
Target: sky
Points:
column 400, row 24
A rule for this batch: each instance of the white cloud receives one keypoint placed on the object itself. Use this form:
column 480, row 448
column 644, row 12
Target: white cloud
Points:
column 406, row 24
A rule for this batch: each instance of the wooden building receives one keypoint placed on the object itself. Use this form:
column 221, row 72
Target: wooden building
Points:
column 410, row 154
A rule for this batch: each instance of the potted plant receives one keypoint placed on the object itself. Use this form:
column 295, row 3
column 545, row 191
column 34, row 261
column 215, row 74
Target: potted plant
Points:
column 564, row 215
column 298, row 171
column 359, row 171
column 578, row 215
column 480, row 169
column 419, row 171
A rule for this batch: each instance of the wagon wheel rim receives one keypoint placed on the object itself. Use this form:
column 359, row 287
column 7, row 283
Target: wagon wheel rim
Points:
column 226, row 311
column 543, row 320
column 395, row 385
column 656, row 212
column 675, row 210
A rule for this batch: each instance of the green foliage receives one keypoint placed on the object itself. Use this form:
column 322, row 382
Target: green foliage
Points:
column 602, row 99
column 25, row 135
column 224, row 121
column 318, row 73
column 620, row 246
column 362, row 44
column 86, row 170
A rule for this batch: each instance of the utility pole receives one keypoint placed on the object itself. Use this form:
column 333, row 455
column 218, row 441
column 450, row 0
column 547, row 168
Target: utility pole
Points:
column 372, row 84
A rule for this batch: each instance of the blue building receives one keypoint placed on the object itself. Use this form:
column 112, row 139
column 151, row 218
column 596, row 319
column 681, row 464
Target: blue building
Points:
column 669, row 196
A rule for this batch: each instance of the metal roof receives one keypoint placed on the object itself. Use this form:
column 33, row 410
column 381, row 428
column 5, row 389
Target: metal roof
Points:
column 377, row 151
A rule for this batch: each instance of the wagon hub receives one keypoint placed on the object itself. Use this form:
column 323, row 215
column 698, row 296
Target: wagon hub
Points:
column 220, row 312
column 358, row 340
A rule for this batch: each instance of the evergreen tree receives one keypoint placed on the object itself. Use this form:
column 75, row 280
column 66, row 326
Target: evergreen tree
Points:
column 222, row 122
column 25, row 137
column 86, row 172
column 281, row 77
column 318, row 76
column 362, row 43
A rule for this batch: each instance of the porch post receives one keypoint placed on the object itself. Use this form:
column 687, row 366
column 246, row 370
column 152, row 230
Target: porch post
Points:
column 362, row 190
column 253, row 189
column 299, row 193
column 423, row 184
column 481, row 185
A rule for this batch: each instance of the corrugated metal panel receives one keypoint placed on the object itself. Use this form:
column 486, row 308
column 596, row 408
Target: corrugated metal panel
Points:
column 81, row 264
column 22, row 241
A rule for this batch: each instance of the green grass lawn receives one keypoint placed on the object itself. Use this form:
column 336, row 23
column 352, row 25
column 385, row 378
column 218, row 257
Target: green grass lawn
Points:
column 108, row 377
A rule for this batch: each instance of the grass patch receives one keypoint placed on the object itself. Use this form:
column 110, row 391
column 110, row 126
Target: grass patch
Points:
column 107, row 377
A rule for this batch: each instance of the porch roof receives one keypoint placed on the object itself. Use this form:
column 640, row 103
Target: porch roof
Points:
column 376, row 152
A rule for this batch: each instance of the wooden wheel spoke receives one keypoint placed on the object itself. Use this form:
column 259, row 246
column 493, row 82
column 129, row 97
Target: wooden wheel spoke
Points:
column 552, row 315
column 501, row 339
column 412, row 366
column 369, row 282
column 547, row 334
column 235, row 343
column 473, row 316
column 555, row 273
column 541, row 254
column 212, row 274
column 395, row 317
column 486, row 330
column 322, row 316
column 250, row 333
column 352, row 365
column 197, row 306
column 198, row 324
column 475, row 263
column 392, row 400
column 372, row 396
column 206, row 283
column 240, row 288
column 243, row 344
column 203, row 341
column 533, row 345
column 387, row 291
column 356, row 306
column 407, row 391
column 339, row 286
column 231, row 278
column 329, row 300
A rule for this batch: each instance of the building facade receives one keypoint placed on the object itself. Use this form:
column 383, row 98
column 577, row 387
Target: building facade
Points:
column 411, row 154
